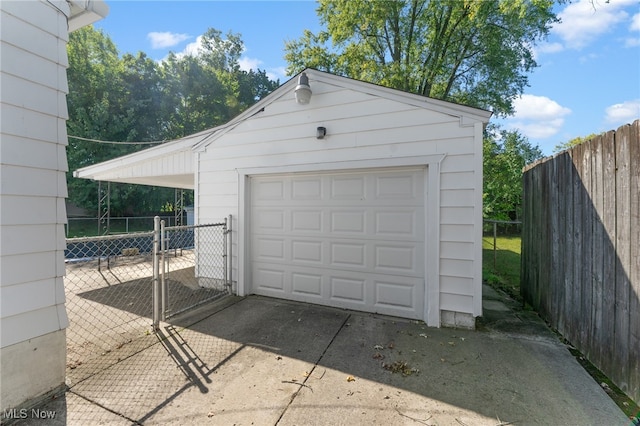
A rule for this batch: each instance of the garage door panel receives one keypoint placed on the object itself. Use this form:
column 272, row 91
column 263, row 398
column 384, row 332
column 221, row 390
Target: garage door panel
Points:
column 347, row 239
column 401, row 259
column 398, row 187
column 307, row 251
column 269, row 220
column 348, row 188
column 404, row 296
column 348, row 222
column 395, row 258
column 396, row 224
column 269, row 190
column 347, row 254
column 271, row 279
column 349, row 290
column 269, row 249
column 306, row 189
column 308, row 220
column 307, row 284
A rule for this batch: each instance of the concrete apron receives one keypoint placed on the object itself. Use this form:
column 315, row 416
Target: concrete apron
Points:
column 260, row 361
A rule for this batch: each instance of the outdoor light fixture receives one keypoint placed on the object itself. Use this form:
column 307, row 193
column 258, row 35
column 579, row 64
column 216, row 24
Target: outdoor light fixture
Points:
column 321, row 132
column 303, row 90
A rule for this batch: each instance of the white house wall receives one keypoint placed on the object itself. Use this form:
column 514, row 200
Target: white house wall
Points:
column 33, row 37
column 360, row 127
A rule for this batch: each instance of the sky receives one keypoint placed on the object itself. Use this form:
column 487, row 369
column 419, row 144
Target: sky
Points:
column 587, row 80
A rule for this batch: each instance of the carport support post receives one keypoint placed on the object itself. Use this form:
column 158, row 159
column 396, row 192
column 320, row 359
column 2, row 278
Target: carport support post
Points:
column 156, row 273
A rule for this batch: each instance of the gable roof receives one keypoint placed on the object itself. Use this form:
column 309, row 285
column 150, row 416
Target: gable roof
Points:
column 169, row 165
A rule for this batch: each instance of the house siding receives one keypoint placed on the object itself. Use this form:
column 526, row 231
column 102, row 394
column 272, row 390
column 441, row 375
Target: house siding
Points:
column 33, row 37
column 360, row 127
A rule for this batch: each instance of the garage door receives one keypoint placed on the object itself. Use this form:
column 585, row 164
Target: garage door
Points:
column 351, row 239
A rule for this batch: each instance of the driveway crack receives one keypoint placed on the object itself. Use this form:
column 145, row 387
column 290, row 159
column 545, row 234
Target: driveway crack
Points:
column 304, row 384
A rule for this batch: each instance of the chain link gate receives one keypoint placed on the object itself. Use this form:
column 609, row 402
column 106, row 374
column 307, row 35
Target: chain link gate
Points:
column 192, row 267
column 118, row 287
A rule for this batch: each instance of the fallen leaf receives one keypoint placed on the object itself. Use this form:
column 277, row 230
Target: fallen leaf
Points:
column 351, row 379
column 391, row 345
column 211, row 414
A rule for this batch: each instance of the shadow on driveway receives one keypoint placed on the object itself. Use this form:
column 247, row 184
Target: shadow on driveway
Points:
column 264, row 361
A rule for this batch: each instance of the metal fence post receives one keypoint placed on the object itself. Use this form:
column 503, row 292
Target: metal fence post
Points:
column 164, row 303
column 156, row 272
column 224, row 255
column 230, row 255
column 495, row 237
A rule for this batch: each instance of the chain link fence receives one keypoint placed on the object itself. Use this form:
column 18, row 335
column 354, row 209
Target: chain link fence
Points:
column 113, row 282
column 192, row 277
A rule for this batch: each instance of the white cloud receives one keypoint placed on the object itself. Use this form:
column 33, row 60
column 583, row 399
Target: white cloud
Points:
column 585, row 20
column 538, row 117
column 191, row 49
column 247, row 64
column 534, row 107
column 623, row 113
column 166, row 39
column 548, row 48
column 635, row 22
column 632, row 42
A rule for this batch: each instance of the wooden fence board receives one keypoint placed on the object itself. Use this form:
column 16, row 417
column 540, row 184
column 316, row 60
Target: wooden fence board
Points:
column 623, row 230
column 597, row 267
column 608, row 250
column 588, row 213
column 581, row 249
column 634, row 270
column 575, row 315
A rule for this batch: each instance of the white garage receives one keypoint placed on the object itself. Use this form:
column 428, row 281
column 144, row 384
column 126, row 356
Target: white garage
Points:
column 352, row 239
column 359, row 197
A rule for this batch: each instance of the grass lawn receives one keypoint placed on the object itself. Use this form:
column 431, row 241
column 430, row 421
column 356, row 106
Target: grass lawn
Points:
column 503, row 270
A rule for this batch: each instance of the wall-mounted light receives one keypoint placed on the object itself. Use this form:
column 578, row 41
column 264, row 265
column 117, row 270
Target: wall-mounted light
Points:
column 321, row 132
column 303, row 90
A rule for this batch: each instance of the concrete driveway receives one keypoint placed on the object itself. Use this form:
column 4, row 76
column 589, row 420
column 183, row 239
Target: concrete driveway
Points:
column 260, row 361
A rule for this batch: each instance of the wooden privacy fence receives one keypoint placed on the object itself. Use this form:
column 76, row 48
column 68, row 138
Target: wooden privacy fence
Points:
column 581, row 249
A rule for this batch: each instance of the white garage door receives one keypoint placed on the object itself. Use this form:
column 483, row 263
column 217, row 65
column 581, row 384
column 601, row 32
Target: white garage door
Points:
column 349, row 239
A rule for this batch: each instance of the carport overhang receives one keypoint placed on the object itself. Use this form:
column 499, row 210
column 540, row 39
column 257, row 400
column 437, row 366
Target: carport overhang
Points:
column 171, row 165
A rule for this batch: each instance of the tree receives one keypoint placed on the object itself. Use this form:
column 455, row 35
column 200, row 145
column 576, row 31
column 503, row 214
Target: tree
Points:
column 135, row 99
column 505, row 155
column 471, row 52
column 573, row 142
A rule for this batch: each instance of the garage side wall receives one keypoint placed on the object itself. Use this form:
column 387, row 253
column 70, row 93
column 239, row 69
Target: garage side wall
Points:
column 371, row 131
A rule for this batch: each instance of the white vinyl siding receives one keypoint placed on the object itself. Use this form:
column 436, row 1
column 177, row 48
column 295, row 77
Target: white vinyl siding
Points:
column 32, row 176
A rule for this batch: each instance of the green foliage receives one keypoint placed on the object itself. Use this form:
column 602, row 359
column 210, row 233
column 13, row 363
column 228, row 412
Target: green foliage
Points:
column 505, row 274
column 133, row 98
column 573, row 142
column 505, row 154
column 471, row 52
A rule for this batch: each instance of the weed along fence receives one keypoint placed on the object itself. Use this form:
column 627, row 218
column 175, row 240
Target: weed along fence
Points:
column 581, row 249
column 118, row 288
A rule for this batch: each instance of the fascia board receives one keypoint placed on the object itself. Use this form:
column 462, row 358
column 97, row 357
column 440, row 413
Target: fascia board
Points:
column 163, row 150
